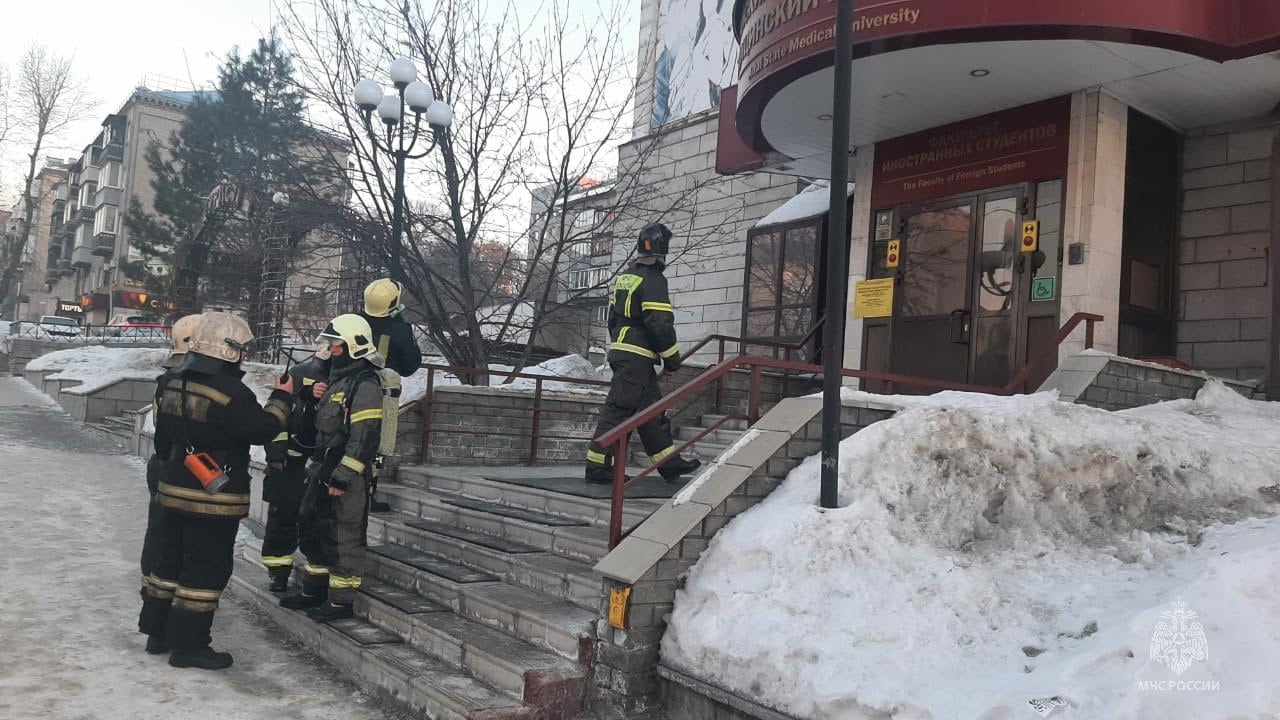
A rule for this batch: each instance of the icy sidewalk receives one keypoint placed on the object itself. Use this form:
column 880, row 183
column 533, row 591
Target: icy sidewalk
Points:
column 988, row 552
column 72, row 517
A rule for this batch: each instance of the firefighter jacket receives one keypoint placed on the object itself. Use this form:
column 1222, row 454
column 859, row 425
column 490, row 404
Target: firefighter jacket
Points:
column 393, row 337
column 348, row 425
column 206, row 407
column 298, row 439
column 641, row 319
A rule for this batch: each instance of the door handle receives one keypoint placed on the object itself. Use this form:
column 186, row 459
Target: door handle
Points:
column 960, row 326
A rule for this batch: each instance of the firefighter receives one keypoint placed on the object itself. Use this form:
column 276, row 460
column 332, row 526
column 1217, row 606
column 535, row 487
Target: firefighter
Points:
column 642, row 333
column 206, row 422
column 393, row 337
column 180, row 334
column 286, row 470
column 335, row 514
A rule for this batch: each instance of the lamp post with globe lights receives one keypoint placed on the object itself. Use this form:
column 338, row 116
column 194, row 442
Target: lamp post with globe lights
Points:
column 417, row 96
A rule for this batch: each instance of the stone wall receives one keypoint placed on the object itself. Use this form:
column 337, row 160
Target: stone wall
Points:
column 1110, row 382
column 1224, row 303
column 24, row 350
column 654, row 558
column 464, row 421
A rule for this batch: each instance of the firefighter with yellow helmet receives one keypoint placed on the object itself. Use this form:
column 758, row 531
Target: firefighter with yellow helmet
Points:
column 335, row 513
column 393, row 337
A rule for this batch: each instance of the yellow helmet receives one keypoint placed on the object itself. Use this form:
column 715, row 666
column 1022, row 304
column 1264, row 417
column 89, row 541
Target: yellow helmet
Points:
column 352, row 330
column 221, row 335
column 382, row 298
column 181, row 332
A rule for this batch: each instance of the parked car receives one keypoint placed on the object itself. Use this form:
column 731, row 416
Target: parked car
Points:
column 59, row 327
column 135, row 327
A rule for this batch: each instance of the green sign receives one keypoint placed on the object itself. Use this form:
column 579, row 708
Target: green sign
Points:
column 1042, row 289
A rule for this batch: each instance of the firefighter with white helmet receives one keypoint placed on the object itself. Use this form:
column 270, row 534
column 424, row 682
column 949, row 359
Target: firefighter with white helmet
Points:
column 335, row 512
column 206, row 420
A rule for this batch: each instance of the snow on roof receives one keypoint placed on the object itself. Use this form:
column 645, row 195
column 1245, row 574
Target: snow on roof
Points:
column 97, row 367
column 414, row 387
column 1006, row 549
column 809, row 203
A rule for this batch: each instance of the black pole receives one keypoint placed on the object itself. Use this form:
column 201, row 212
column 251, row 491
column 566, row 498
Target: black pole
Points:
column 837, row 275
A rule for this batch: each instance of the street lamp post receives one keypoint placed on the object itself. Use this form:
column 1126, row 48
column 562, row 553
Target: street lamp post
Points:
column 417, row 96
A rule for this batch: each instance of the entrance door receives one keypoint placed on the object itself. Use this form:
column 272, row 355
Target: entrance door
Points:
column 960, row 290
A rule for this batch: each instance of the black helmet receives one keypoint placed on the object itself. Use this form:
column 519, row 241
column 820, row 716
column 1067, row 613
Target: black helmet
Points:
column 655, row 239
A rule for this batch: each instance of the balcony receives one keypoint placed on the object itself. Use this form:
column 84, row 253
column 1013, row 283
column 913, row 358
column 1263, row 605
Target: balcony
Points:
column 95, row 156
column 64, row 267
column 55, row 254
column 107, row 196
column 82, row 257
column 52, row 275
column 104, row 244
column 113, row 151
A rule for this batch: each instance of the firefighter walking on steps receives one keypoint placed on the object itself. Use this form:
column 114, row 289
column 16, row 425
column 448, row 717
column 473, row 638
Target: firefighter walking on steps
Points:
column 335, row 513
column 394, row 340
column 642, row 333
column 206, row 422
column 286, row 470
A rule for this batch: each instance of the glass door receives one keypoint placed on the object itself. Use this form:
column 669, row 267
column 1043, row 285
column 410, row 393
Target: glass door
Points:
column 998, row 289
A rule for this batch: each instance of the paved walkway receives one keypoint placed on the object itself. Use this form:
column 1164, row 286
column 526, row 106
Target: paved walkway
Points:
column 72, row 513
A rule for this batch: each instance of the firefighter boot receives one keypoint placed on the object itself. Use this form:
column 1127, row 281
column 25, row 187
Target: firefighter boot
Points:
column 156, row 645
column 206, row 658
column 301, row 601
column 330, row 611
column 279, row 583
column 674, row 469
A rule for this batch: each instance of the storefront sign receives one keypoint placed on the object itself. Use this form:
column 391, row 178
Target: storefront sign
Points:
column 777, row 33
column 141, row 301
column 873, row 298
column 69, row 309
column 1018, row 145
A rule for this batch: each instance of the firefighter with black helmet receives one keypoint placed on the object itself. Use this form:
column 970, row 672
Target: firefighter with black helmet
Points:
column 335, row 513
column 642, row 333
column 206, row 421
column 286, row 470
column 180, row 335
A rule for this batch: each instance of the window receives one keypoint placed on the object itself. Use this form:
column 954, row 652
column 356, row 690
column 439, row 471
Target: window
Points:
column 600, row 315
column 602, row 245
column 579, row 279
column 110, row 175
column 580, row 249
column 86, row 193
column 781, row 282
column 106, row 220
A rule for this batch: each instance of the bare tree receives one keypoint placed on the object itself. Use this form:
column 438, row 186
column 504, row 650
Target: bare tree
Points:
column 49, row 98
column 540, row 107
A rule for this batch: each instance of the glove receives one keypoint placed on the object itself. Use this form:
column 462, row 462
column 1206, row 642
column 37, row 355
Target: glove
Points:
column 672, row 363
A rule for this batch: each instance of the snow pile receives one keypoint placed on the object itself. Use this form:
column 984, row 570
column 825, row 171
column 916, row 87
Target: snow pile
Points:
column 809, row 202
column 990, row 551
column 98, row 367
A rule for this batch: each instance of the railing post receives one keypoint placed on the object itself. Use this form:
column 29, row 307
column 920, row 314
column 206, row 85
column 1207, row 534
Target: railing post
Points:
column 537, row 418
column 720, row 383
column 1088, row 334
column 619, row 492
column 753, row 403
column 426, row 403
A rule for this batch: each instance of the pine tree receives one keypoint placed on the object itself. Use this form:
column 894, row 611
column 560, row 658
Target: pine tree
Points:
column 250, row 132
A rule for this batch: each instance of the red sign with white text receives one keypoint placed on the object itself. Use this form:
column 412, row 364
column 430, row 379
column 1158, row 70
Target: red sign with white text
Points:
column 1019, row 145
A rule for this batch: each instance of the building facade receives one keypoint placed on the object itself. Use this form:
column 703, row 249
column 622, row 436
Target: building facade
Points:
column 1133, row 142
column 28, row 297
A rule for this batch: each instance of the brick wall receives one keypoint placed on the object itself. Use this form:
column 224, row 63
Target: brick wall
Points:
column 1223, row 298
column 464, row 421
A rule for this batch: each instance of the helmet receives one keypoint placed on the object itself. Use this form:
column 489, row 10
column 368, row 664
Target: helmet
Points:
column 352, row 330
column 655, row 239
column 222, row 336
column 382, row 298
column 181, row 333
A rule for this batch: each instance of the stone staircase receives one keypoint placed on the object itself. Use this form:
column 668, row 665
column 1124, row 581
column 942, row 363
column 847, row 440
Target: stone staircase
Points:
column 707, row 449
column 120, row 428
column 480, row 599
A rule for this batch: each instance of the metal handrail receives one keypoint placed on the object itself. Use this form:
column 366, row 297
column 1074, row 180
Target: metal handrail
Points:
column 619, row 435
column 89, row 333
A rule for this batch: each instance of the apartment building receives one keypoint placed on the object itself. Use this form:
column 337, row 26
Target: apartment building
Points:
column 29, row 297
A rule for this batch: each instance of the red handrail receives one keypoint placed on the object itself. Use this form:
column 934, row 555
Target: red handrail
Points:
column 619, row 435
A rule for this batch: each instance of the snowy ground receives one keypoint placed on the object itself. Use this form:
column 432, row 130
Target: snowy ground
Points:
column 988, row 552
column 72, row 521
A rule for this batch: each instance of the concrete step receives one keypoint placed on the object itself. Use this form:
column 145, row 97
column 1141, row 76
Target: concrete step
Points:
column 709, row 420
column 703, row 450
column 544, row 572
column 457, row 482
column 720, row 436
column 587, row 542
column 114, row 431
column 548, row 622
column 487, row 653
column 396, row 670
column 116, row 421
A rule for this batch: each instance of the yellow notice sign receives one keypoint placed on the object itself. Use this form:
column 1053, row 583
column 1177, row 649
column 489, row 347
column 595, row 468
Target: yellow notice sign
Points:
column 619, row 598
column 873, row 298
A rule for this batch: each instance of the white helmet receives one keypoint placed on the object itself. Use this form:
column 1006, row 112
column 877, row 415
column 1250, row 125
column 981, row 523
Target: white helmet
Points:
column 222, row 336
column 181, row 333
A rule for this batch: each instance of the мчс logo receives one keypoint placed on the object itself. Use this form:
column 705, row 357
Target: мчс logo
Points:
column 1179, row 640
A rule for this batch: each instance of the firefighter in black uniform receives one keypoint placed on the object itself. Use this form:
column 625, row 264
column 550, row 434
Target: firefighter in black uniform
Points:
column 394, row 340
column 642, row 333
column 180, row 334
column 208, row 419
column 335, row 515
column 286, row 470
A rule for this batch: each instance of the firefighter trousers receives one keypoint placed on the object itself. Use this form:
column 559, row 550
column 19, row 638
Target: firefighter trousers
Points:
column 192, row 569
column 332, row 535
column 634, row 388
column 282, row 491
column 151, row 539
